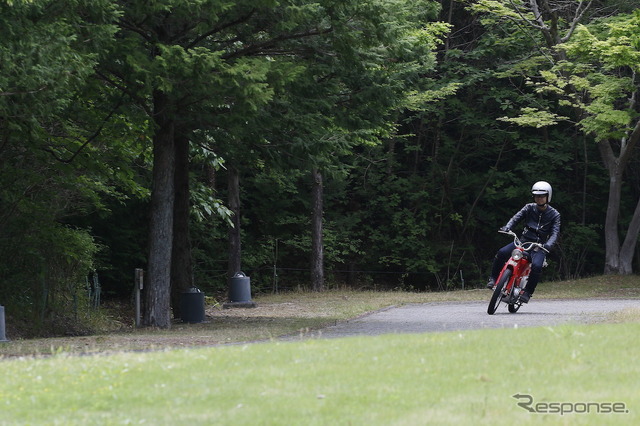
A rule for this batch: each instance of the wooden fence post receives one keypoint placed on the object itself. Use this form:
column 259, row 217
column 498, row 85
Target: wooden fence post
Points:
column 139, row 283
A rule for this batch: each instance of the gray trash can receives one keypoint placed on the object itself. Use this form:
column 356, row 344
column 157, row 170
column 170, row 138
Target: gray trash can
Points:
column 192, row 306
column 240, row 288
column 239, row 292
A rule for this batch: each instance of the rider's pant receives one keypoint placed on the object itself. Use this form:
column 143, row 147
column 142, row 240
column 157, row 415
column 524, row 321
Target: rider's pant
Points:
column 501, row 257
column 537, row 260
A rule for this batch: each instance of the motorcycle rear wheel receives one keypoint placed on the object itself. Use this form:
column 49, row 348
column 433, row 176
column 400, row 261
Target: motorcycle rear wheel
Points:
column 496, row 297
column 513, row 308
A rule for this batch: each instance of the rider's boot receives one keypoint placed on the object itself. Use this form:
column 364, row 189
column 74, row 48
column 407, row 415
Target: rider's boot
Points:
column 491, row 284
column 525, row 296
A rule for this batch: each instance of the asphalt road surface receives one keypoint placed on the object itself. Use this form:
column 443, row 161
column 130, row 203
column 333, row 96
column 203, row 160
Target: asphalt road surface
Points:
column 451, row 316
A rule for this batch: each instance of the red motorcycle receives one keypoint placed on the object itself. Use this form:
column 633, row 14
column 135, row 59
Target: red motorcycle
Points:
column 514, row 275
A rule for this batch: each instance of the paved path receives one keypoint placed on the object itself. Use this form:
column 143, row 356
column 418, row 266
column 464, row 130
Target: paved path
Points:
column 450, row 316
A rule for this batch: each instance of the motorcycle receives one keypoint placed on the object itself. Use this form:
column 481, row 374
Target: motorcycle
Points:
column 514, row 275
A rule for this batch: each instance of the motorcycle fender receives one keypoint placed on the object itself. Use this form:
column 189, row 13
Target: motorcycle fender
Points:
column 510, row 264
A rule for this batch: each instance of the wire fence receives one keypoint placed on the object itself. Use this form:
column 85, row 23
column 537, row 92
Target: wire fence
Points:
column 283, row 279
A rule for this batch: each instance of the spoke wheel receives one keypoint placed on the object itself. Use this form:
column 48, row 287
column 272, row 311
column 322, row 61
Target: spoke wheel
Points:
column 513, row 308
column 496, row 297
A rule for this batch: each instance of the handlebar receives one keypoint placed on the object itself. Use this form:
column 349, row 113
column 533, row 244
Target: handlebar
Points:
column 528, row 245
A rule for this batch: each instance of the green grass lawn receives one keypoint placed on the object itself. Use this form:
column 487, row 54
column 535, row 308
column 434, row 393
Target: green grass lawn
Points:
column 439, row 378
column 467, row 377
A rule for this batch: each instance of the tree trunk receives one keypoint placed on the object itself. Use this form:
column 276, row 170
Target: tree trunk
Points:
column 618, row 260
column 235, row 248
column 611, row 238
column 158, row 288
column 627, row 252
column 181, row 262
column 317, row 248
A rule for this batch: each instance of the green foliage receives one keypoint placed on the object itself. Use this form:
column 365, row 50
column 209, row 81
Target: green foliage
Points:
column 534, row 117
column 596, row 78
column 428, row 135
column 603, row 59
column 43, row 275
column 577, row 247
column 420, row 100
column 61, row 156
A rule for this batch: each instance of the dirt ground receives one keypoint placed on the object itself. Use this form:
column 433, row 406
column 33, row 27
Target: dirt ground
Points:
column 267, row 320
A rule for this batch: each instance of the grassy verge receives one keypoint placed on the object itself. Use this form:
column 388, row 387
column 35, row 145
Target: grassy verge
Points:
column 596, row 287
column 440, row 378
column 281, row 314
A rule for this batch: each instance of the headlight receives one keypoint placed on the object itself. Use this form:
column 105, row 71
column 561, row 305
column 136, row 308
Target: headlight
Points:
column 517, row 254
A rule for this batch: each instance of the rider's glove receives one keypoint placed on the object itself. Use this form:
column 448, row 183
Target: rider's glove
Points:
column 504, row 229
column 547, row 247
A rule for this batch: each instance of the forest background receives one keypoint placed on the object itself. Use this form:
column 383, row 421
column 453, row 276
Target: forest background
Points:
column 362, row 143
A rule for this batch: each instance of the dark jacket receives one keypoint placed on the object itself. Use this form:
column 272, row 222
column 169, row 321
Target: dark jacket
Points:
column 539, row 226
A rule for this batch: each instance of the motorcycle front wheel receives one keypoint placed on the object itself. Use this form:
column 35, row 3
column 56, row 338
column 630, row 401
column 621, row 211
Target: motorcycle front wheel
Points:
column 496, row 297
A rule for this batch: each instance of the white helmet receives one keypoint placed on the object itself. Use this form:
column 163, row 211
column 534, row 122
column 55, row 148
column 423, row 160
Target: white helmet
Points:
column 542, row 188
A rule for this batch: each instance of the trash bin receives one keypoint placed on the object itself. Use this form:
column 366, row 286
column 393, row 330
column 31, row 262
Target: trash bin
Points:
column 192, row 306
column 240, row 288
column 239, row 292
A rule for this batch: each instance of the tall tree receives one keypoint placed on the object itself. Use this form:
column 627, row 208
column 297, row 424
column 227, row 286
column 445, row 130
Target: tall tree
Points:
column 235, row 240
column 592, row 69
column 323, row 104
column 181, row 258
column 183, row 62
column 161, row 224
column 317, row 246
column 53, row 124
column 601, row 80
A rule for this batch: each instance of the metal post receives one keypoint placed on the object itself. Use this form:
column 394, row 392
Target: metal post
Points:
column 275, row 268
column 3, row 337
column 139, row 280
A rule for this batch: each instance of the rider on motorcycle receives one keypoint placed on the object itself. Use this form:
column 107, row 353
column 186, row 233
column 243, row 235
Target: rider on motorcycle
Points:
column 542, row 225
